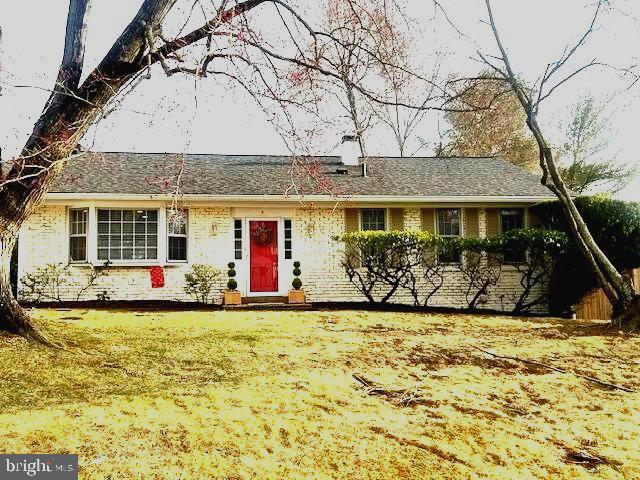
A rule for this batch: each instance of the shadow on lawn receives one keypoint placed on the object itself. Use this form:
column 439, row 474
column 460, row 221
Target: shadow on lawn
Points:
column 95, row 367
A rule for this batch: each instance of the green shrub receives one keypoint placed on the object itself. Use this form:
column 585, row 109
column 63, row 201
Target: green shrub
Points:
column 232, row 284
column 296, row 283
column 379, row 263
column 200, row 281
column 615, row 226
column 231, row 265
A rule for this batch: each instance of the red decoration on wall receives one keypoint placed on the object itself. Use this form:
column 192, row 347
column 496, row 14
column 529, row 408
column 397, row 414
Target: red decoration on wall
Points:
column 157, row 277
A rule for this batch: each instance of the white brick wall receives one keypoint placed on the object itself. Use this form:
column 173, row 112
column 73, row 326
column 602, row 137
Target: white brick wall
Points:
column 43, row 240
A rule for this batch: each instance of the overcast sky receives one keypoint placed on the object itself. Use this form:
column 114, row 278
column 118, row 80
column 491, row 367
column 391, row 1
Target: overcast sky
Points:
column 181, row 114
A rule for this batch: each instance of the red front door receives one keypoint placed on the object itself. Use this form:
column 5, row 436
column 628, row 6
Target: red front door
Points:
column 263, row 256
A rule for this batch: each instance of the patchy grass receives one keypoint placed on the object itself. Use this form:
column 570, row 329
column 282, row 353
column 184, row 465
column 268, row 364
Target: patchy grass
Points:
column 270, row 395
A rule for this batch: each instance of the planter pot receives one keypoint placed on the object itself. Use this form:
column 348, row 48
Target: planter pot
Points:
column 297, row 296
column 232, row 297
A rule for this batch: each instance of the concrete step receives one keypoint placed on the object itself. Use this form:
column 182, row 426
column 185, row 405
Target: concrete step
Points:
column 269, row 306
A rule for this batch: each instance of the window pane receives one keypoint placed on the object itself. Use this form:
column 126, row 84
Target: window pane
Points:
column 512, row 219
column 115, row 241
column 78, row 248
column 127, row 227
column 139, row 254
column 103, row 241
column 103, row 215
column 116, row 215
column 127, row 254
column 114, row 254
column 103, row 227
column 127, row 240
column 127, row 215
column 152, row 215
column 152, row 240
column 449, row 222
column 177, row 248
column 373, row 219
column 177, row 226
column 103, row 254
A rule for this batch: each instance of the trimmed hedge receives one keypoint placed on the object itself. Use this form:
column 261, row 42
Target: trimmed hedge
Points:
column 380, row 263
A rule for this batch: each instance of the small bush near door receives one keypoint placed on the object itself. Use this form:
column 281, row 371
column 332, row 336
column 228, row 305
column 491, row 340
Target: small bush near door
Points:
column 200, row 281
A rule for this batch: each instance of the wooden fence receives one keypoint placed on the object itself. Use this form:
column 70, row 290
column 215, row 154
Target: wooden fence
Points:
column 596, row 306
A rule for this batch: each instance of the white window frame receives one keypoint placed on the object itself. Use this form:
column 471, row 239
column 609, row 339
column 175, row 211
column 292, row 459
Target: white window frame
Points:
column 76, row 235
column 184, row 235
column 285, row 239
column 160, row 219
column 241, row 239
column 460, row 234
column 386, row 219
column 524, row 225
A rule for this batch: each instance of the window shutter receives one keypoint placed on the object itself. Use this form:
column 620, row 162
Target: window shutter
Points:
column 428, row 220
column 493, row 222
column 351, row 224
column 471, row 225
column 351, row 220
column 397, row 219
column 533, row 220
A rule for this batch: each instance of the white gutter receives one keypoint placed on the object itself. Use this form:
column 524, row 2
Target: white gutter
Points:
column 302, row 198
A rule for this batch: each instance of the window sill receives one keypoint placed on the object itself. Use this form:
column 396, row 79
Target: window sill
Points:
column 127, row 264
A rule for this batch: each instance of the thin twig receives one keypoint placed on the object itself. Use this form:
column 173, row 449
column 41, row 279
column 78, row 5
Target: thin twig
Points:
column 557, row 369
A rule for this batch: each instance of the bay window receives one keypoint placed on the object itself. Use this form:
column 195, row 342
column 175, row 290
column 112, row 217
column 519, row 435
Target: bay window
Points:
column 125, row 235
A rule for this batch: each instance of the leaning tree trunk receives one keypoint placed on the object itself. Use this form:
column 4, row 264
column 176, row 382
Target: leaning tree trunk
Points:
column 619, row 290
column 69, row 112
column 12, row 317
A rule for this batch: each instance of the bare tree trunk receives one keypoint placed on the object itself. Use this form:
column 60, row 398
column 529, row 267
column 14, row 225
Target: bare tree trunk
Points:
column 618, row 289
column 69, row 112
column 12, row 317
column 355, row 118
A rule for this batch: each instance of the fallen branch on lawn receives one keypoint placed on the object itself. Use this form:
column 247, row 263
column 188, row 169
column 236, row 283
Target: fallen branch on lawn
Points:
column 557, row 369
column 405, row 396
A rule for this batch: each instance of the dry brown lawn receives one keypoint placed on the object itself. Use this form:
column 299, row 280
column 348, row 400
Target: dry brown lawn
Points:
column 272, row 395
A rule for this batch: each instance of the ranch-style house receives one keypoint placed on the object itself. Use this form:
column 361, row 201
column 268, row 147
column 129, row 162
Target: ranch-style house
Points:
column 119, row 209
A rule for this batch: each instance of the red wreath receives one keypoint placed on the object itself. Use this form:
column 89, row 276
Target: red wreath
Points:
column 262, row 235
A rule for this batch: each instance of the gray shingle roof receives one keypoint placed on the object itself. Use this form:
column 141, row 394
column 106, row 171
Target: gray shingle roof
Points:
column 154, row 173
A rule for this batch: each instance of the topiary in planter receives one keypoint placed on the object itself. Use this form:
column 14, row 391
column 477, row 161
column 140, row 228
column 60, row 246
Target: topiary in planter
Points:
column 297, row 283
column 232, row 284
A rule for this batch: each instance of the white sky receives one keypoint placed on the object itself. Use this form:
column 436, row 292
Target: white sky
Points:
column 179, row 114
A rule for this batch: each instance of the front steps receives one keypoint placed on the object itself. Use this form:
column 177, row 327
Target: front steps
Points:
column 269, row 306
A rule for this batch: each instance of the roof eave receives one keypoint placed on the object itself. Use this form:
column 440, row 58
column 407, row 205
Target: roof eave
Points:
column 59, row 196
